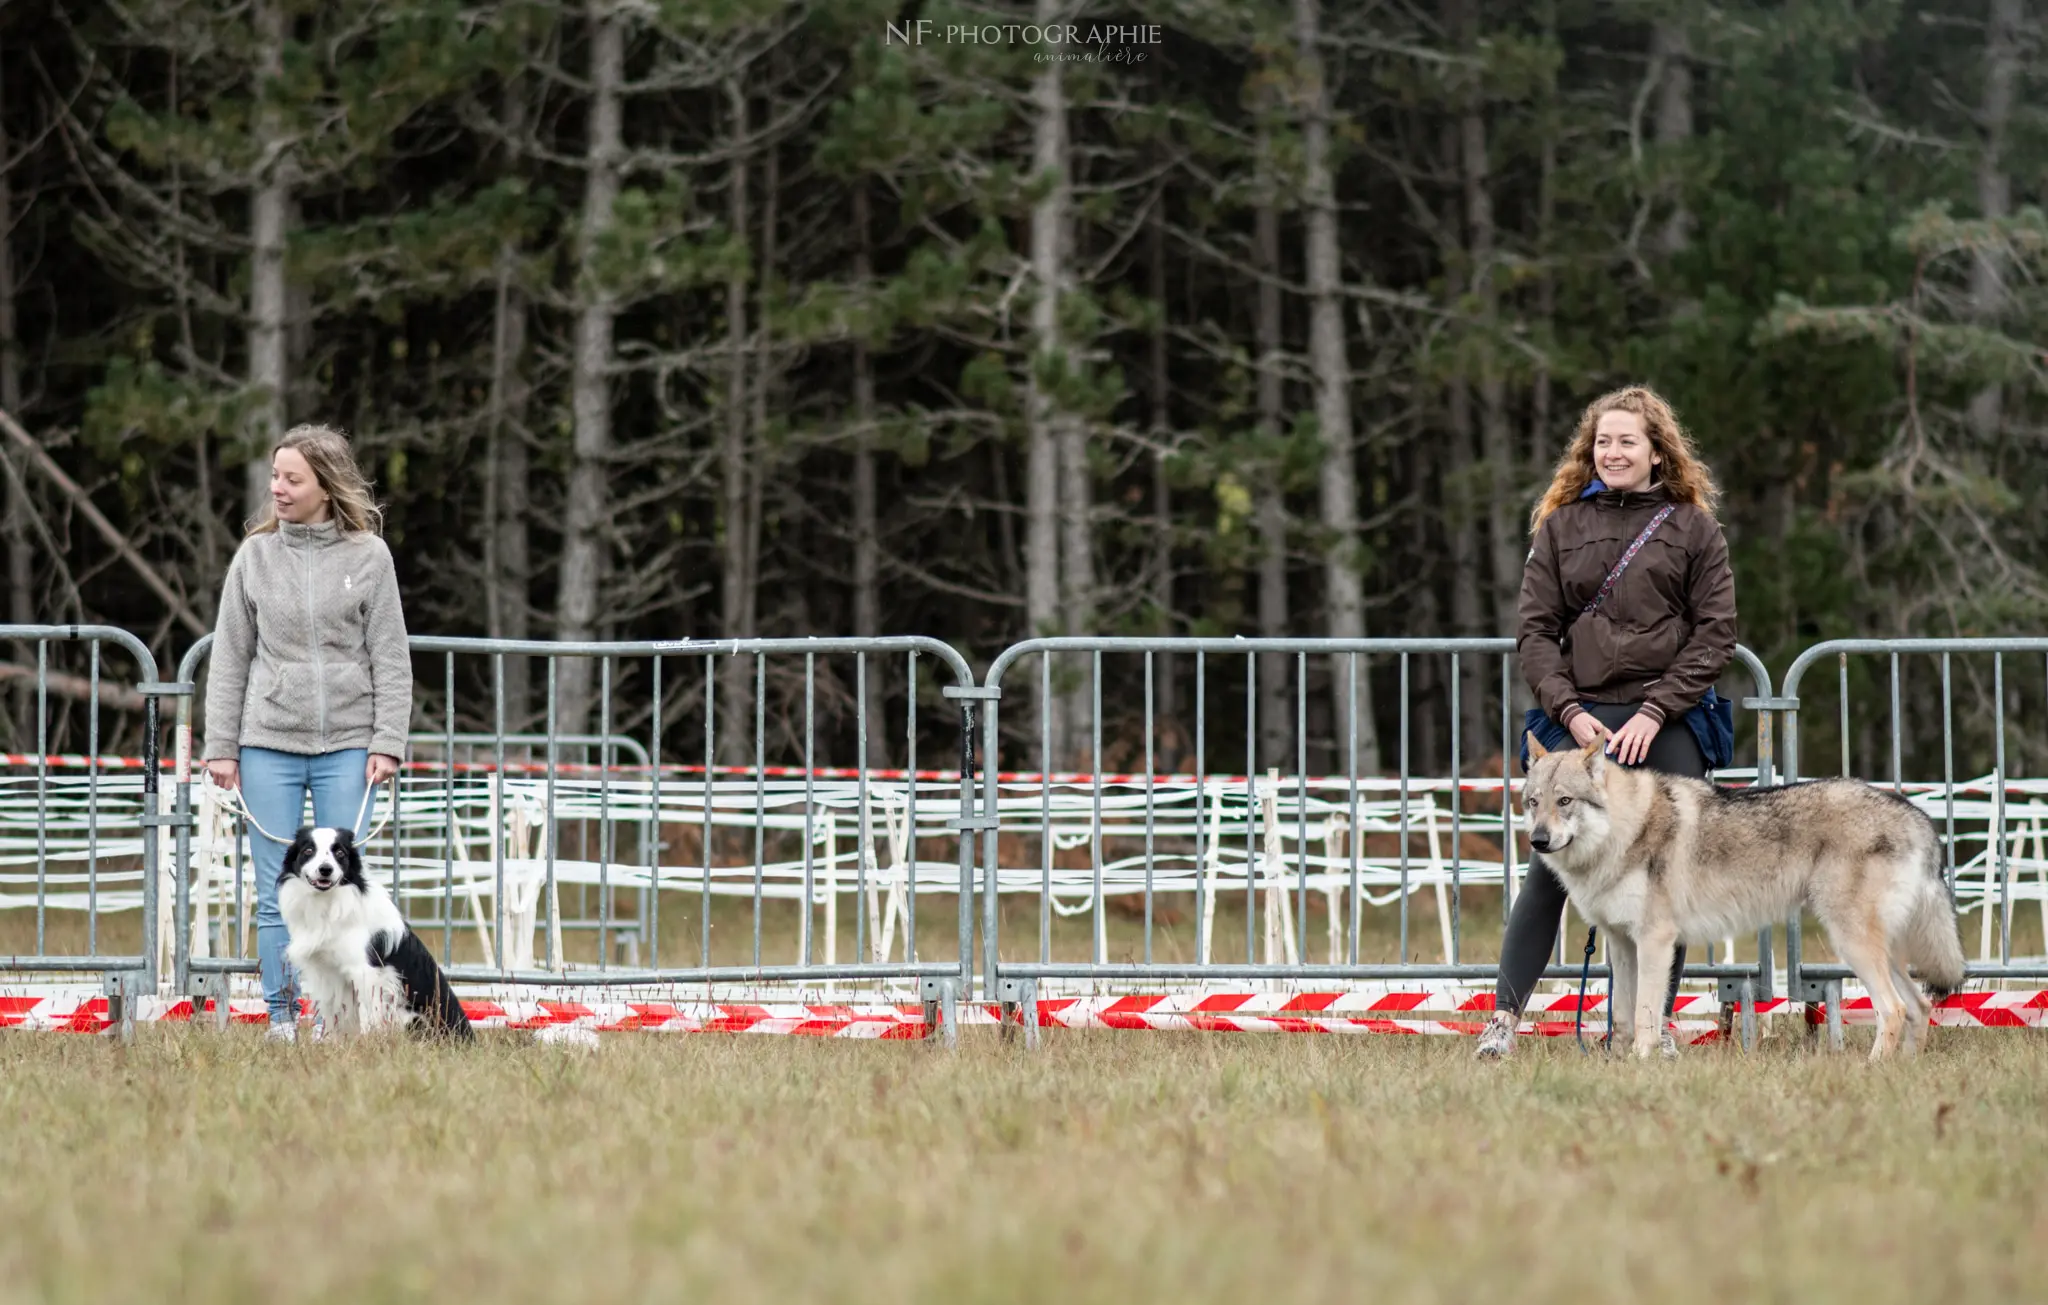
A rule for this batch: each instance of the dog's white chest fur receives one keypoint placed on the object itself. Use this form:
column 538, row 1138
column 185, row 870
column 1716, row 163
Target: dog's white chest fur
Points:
column 1616, row 903
column 332, row 931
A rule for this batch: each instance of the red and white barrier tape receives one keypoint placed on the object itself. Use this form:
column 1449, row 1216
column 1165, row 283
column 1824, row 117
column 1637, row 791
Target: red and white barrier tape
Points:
column 84, row 1010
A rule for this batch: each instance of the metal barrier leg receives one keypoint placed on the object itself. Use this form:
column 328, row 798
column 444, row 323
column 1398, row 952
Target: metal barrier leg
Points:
column 213, row 988
column 942, row 1007
column 1019, row 999
column 1748, row 1000
column 122, row 992
column 1834, row 1008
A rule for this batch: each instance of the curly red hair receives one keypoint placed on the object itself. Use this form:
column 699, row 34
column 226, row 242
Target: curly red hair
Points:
column 1682, row 473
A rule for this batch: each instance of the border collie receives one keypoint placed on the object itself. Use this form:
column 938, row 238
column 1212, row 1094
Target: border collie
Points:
column 362, row 967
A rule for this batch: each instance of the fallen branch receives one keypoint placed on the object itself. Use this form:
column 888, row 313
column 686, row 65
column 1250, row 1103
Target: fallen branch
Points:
column 115, row 539
column 117, row 697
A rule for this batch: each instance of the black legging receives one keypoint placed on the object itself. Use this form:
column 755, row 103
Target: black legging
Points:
column 1539, row 907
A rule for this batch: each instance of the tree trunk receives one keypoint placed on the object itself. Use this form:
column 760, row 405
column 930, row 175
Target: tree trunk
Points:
column 269, row 210
column 1994, row 186
column 590, row 400
column 1077, row 545
column 1461, row 517
column 1269, row 507
column 1468, row 609
column 867, row 548
column 764, row 382
column 1420, row 462
column 1343, row 583
column 1671, row 47
column 736, row 744
column 1542, row 443
column 1166, row 684
column 20, row 571
column 212, row 536
column 298, row 336
column 1504, row 534
column 506, row 565
column 1050, row 590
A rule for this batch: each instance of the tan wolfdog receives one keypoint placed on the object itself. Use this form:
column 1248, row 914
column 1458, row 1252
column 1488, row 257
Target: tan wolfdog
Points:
column 1656, row 860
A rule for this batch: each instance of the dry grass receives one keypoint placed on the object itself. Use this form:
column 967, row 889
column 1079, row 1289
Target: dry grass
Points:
column 1108, row 1167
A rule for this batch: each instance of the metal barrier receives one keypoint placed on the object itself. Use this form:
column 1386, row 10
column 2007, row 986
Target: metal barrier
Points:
column 486, row 833
column 233, row 888
column 68, row 823
column 1908, row 747
column 632, row 933
column 433, row 825
column 1206, row 836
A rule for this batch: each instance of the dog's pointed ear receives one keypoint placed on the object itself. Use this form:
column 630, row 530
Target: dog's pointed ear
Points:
column 1596, row 759
column 1537, row 751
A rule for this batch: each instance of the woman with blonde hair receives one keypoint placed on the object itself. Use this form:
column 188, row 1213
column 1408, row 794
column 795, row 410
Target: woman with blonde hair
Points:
column 1627, row 618
column 309, row 689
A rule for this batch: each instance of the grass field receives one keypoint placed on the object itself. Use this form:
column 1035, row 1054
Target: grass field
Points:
column 207, row 1166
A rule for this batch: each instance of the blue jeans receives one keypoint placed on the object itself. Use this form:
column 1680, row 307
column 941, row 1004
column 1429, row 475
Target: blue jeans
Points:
column 274, row 787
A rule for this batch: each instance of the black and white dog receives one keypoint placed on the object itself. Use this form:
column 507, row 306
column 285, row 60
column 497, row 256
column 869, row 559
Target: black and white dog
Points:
column 362, row 967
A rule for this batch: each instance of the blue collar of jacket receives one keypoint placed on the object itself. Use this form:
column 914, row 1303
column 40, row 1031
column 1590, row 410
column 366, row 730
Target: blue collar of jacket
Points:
column 1624, row 498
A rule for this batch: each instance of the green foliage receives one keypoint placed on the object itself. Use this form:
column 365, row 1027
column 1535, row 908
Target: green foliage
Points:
column 1818, row 325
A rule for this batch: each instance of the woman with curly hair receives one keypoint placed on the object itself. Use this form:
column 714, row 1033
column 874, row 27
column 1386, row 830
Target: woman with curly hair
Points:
column 1627, row 618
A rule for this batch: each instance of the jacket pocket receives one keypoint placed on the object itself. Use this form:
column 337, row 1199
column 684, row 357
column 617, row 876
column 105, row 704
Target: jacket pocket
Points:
column 1649, row 652
column 281, row 686
column 1606, row 651
column 1583, row 567
column 1665, row 564
column 1594, row 646
column 348, row 695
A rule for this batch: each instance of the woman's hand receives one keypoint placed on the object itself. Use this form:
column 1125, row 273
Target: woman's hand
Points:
column 380, row 768
column 1585, row 728
column 226, row 774
column 1631, row 743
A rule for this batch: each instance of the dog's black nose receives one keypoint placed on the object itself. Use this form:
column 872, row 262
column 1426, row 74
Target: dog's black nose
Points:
column 1539, row 840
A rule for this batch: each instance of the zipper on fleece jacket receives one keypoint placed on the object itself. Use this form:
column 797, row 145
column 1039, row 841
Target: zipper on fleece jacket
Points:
column 313, row 638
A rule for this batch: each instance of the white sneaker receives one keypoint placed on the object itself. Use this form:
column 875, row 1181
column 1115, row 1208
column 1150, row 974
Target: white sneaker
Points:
column 281, row 1033
column 1497, row 1039
column 567, row 1035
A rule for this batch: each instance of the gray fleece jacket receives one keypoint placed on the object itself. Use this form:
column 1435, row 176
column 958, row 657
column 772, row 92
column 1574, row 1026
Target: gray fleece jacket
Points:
column 309, row 653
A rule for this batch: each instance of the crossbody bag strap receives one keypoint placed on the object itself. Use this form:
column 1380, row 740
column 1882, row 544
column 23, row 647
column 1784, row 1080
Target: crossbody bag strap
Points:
column 1607, row 585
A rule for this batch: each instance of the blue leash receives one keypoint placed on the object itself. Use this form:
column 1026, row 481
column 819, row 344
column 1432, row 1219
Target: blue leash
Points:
column 1585, row 976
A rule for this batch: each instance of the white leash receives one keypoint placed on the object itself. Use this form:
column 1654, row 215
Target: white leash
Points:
column 231, row 800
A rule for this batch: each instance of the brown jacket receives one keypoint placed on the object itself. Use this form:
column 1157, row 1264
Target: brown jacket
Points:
column 1664, row 633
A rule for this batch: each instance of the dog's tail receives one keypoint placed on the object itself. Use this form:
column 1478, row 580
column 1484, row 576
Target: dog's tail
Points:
column 1933, row 946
